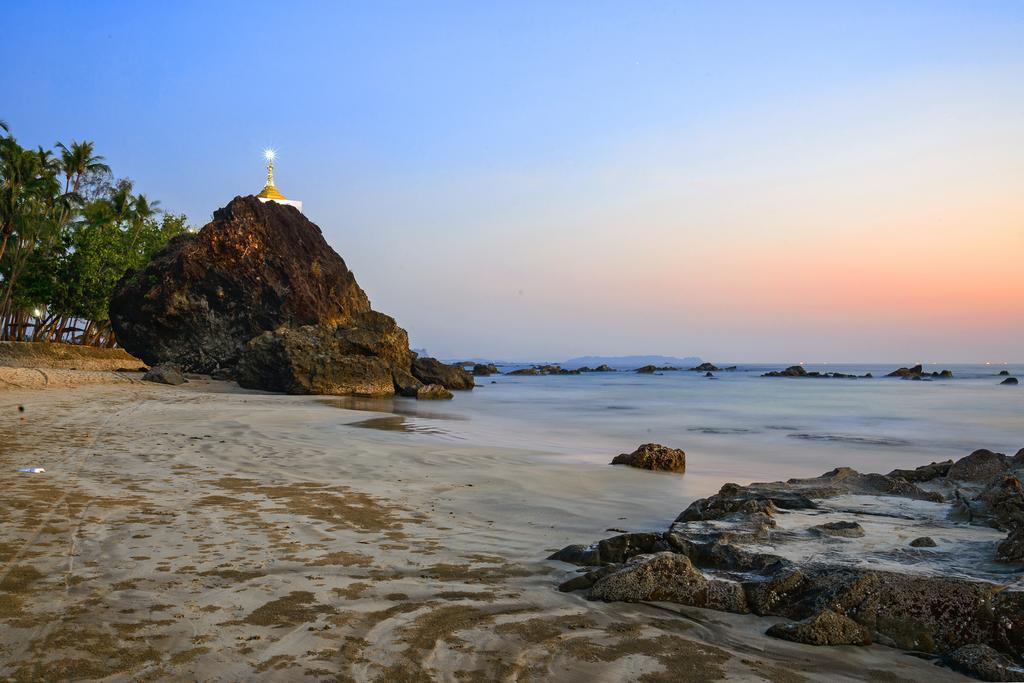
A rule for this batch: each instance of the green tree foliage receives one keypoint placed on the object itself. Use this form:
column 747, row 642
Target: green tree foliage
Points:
column 68, row 232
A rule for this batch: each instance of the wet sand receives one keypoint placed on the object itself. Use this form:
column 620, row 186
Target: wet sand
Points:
column 203, row 532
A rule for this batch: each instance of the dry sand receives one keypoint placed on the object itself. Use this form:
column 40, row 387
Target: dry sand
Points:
column 203, row 532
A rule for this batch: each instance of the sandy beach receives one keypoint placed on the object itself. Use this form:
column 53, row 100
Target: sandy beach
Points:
column 205, row 532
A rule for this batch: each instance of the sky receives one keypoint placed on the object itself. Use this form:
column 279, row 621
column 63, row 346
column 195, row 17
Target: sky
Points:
column 744, row 182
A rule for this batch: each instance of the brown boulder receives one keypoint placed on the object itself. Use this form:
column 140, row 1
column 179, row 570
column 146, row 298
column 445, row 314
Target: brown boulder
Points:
column 653, row 456
column 433, row 391
column 980, row 466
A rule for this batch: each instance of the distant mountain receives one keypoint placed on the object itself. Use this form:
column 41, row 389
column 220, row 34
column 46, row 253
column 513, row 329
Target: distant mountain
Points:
column 631, row 362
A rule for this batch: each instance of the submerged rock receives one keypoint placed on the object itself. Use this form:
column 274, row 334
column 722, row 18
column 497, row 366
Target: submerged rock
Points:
column 653, row 456
column 824, row 628
column 843, row 529
column 1004, row 373
column 923, row 542
column 255, row 267
column 165, row 373
column 1010, row 380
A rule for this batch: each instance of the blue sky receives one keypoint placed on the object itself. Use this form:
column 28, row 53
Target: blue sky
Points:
column 542, row 180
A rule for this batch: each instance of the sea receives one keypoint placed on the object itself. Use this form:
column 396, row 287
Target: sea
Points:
column 737, row 427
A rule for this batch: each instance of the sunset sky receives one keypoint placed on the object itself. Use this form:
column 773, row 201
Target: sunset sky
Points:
column 533, row 180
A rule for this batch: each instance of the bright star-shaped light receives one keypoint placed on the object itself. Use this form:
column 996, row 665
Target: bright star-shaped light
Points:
column 269, row 154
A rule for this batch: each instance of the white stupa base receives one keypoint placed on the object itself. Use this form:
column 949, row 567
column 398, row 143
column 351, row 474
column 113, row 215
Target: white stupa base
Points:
column 290, row 202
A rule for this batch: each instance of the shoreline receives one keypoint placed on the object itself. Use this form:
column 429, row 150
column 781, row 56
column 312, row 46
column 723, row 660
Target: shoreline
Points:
column 206, row 531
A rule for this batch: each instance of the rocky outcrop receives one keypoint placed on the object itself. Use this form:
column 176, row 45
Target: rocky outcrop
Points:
column 800, row 371
column 433, row 371
column 791, row 371
column 651, row 369
column 653, row 456
column 923, row 542
column 711, row 367
column 255, row 267
column 705, row 367
column 485, row 369
column 165, row 373
column 1004, row 373
column 544, row 370
column 1010, row 381
column 729, row 552
column 603, row 367
column 907, row 372
column 918, row 372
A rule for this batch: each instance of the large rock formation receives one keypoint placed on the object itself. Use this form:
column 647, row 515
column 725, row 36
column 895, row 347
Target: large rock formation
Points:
column 255, row 267
column 258, row 294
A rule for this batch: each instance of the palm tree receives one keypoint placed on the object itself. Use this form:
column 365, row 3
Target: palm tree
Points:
column 142, row 210
column 20, row 180
column 78, row 160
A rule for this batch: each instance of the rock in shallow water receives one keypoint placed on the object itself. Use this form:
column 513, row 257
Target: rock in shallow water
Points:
column 842, row 529
column 653, row 456
column 923, row 542
column 432, row 392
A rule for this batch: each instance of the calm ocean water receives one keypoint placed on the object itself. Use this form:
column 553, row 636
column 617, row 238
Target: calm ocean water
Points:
column 739, row 427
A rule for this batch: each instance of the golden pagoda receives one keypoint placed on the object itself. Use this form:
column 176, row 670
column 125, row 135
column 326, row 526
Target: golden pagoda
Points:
column 270, row 193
